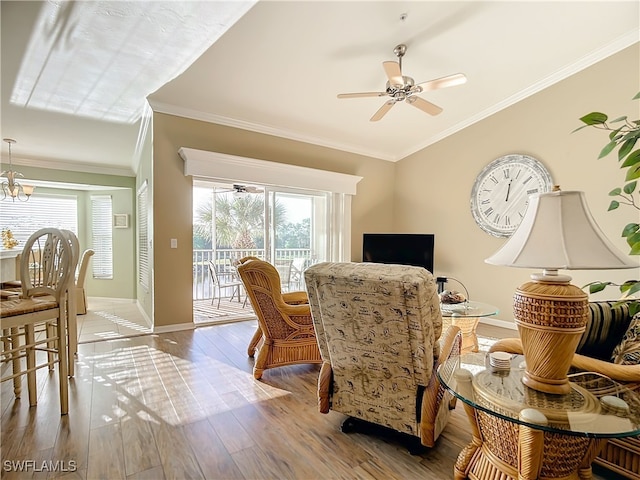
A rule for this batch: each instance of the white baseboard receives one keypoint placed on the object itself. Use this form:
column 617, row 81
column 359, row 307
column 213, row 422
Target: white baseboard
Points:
column 144, row 314
column 177, row 327
column 498, row 323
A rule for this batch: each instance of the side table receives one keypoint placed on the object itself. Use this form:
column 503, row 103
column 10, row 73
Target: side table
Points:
column 465, row 316
column 521, row 433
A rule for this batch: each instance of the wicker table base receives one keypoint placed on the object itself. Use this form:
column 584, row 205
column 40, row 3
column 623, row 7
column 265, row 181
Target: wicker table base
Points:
column 503, row 450
column 520, row 433
column 467, row 326
column 466, row 316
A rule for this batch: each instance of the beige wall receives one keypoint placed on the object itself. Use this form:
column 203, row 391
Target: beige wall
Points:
column 371, row 208
column 433, row 186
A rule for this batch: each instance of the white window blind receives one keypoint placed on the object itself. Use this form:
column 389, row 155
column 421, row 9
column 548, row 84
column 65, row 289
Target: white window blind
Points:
column 143, row 237
column 41, row 211
column 102, row 236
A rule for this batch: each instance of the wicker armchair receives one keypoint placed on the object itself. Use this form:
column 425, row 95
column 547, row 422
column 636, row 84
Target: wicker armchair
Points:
column 285, row 334
column 608, row 322
column 378, row 328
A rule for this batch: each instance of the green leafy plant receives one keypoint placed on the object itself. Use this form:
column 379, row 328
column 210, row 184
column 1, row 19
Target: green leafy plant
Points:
column 623, row 136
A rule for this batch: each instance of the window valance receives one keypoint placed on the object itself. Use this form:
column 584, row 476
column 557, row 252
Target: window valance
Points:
column 203, row 164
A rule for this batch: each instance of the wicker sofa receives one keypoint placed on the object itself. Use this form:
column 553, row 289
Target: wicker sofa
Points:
column 608, row 322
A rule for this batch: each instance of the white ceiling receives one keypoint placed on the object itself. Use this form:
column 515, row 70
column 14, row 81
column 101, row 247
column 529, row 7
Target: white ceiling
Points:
column 278, row 69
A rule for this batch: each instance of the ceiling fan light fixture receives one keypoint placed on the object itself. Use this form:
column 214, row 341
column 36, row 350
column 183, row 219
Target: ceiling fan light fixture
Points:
column 400, row 87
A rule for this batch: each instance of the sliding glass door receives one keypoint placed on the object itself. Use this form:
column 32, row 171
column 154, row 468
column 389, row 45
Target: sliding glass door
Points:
column 298, row 234
column 289, row 228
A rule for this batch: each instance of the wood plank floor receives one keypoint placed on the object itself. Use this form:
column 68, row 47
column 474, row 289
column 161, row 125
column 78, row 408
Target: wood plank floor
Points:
column 184, row 405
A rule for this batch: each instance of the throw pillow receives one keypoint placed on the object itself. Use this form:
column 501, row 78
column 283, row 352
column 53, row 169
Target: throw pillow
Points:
column 607, row 323
column 628, row 350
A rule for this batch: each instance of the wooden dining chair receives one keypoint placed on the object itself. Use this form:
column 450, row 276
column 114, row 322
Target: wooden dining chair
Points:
column 46, row 271
column 71, row 306
column 81, row 293
column 72, row 302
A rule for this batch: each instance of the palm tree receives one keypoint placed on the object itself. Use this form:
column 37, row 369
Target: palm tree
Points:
column 239, row 220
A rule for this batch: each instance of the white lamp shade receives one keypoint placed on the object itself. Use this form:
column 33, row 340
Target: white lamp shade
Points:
column 559, row 232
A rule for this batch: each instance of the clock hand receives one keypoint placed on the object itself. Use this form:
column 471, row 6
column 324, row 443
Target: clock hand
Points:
column 508, row 190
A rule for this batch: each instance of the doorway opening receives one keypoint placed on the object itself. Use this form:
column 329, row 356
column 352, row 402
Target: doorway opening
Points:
column 287, row 227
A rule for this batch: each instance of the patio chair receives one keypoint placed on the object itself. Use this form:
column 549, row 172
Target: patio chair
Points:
column 285, row 334
column 284, row 270
column 378, row 329
column 219, row 285
column 297, row 272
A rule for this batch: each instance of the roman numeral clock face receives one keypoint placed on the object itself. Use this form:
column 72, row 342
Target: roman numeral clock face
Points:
column 501, row 192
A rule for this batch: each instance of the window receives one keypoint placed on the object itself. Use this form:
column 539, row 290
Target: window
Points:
column 101, row 228
column 41, row 211
column 143, row 237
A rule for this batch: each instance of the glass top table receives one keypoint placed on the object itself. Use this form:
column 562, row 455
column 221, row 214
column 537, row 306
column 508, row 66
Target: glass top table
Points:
column 596, row 407
column 468, row 309
column 519, row 432
column 465, row 316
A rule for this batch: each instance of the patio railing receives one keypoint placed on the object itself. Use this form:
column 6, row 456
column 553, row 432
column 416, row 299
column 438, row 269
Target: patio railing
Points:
column 223, row 259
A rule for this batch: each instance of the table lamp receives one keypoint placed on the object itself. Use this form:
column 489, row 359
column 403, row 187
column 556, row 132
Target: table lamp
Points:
column 557, row 232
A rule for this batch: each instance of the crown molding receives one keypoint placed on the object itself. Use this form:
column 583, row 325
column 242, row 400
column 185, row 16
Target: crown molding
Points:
column 266, row 129
column 594, row 57
column 72, row 166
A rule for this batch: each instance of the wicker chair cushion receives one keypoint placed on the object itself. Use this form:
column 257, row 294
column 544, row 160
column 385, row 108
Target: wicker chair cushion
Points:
column 606, row 326
column 627, row 352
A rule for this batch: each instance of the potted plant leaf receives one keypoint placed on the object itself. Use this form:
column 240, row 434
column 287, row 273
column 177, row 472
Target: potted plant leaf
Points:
column 624, row 135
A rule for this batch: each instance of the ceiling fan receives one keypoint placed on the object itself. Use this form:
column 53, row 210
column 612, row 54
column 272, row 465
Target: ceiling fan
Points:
column 237, row 188
column 401, row 88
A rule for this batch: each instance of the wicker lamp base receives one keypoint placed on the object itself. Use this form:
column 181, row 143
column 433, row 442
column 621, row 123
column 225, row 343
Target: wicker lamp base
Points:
column 551, row 317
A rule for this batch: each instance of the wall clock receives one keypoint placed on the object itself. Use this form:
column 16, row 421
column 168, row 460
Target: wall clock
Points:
column 501, row 191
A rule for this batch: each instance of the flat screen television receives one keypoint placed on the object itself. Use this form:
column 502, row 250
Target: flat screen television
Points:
column 401, row 248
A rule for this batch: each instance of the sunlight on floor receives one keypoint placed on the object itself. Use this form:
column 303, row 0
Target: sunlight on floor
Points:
column 175, row 390
column 109, row 318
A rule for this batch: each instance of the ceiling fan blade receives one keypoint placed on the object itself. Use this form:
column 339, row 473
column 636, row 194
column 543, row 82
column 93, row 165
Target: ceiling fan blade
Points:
column 362, row 94
column 394, row 74
column 448, row 81
column 382, row 111
column 423, row 105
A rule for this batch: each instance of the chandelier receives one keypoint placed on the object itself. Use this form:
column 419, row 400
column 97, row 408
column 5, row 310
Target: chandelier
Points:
column 10, row 187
